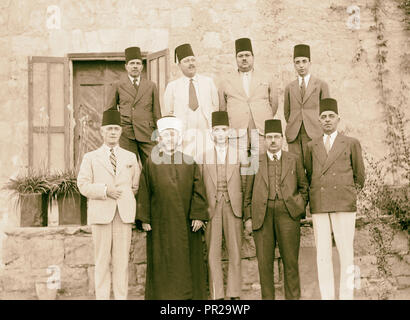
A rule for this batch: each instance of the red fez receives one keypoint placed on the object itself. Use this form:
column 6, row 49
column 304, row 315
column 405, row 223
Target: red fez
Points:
column 301, row 50
column 132, row 53
column 328, row 104
column 183, row 51
column 273, row 126
column 111, row 117
column 220, row 118
column 243, row 44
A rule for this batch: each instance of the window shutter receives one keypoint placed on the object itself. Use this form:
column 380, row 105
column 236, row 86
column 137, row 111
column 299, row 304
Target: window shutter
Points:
column 158, row 70
column 48, row 114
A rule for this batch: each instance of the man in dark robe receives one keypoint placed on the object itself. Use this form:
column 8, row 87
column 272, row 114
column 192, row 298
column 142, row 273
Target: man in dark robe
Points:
column 172, row 208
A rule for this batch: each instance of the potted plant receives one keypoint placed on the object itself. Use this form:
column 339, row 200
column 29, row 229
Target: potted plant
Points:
column 32, row 190
column 71, row 207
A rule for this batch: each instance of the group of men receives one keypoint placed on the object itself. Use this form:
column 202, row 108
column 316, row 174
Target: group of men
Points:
column 212, row 163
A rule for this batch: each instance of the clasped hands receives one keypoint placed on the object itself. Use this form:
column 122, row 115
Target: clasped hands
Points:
column 196, row 225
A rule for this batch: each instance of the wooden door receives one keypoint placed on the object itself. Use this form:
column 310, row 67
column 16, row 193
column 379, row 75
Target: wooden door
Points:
column 92, row 80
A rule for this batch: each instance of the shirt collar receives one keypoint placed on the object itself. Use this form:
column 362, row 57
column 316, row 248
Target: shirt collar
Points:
column 307, row 77
column 132, row 79
column 278, row 154
column 194, row 78
column 241, row 73
column 333, row 136
column 107, row 149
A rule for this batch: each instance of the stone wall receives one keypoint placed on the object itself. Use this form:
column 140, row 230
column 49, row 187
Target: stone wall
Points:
column 28, row 252
column 345, row 58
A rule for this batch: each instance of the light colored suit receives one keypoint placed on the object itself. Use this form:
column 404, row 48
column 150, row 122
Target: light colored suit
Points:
column 225, row 219
column 196, row 124
column 261, row 104
column 111, row 220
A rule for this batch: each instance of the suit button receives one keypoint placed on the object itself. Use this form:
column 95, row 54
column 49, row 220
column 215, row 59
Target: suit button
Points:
column 334, row 187
column 334, row 173
column 322, row 189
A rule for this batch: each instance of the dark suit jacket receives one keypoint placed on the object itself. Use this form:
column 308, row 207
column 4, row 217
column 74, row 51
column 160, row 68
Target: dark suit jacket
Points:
column 296, row 111
column 139, row 111
column 293, row 186
column 332, row 177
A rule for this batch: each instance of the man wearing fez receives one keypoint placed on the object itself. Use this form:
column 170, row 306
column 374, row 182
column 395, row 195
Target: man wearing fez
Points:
column 222, row 178
column 137, row 100
column 275, row 200
column 191, row 98
column 172, row 208
column 301, row 103
column 249, row 97
column 334, row 166
column 109, row 178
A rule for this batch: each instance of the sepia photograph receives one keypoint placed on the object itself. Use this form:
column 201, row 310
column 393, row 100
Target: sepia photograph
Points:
column 225, row 151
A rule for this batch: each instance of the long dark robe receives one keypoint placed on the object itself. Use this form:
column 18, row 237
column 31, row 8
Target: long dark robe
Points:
column 170, row 196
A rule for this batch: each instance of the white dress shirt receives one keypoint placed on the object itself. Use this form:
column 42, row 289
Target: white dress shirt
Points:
column 270, row 154
column 107, row 150
column 246, row 80
column 307, row 77
column 221, row 153
column 132, row 80
column 332, row 138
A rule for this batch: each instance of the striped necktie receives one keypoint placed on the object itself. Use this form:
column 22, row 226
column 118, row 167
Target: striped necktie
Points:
column 113, row 160
column 303, row 88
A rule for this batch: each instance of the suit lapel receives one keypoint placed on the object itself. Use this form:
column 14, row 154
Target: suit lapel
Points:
column 338, row 146
column 105, row 161
column 295, row 91
column 285, row 162
column 211, row 166
column 263, row 166
column 310, row 88
column 230, row 168
column 121, row 160
column 127, row 86
column 141, row 90
column 254, row 83
column 237, row 83
column 320, row 151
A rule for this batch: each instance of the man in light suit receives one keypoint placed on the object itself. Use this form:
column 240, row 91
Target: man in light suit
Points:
column 137, row 100
column 275, row 200
column 220, row 168
column 334, row 167
column 301, row 103
column 191, row 98
column 109, row 178
column 250, row 98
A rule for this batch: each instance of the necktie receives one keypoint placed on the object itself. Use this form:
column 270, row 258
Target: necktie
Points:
column 275, row 157
column 245, row 82
column 327, row 144
column 113, row 160
column 135, row 84
column 193, row 101
column 302, row 88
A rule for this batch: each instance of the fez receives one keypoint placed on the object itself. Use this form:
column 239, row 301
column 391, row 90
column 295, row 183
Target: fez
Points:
column 169, row 122
column 301, row 50
column 328, row 104
column 183, row 51
column 243, row 44
column 111, row 117
column 220, row 118
column 132, row 53
column 273, row 126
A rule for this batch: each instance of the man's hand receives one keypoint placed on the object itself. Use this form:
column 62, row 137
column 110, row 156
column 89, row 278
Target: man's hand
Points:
column 146, row 227
column 113, row 192
column 248, row 227
column 196, row 225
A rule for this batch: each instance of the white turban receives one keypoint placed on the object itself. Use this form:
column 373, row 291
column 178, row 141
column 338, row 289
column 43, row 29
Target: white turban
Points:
column 169, row 122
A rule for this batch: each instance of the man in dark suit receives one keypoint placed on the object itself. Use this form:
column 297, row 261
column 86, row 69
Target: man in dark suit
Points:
column 301, row 103
column 275, row 199
column 137, row 100
column 334, row 166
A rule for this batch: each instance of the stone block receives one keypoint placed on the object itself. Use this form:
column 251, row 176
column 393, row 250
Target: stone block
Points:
column 212, row 40
column 307, row 238
column 132, row 274
column 250, row 272
column 400, row 242
column 399, row 266
column 362, row 242
column 181, row 17
column 45, row 252
column 91, row 280
column 138, row 252
column 403, row 282
column 248, row 247
column 78, row 251
column 15, row 253
column 141, row 273
column 75, row 279
column 367, row 265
